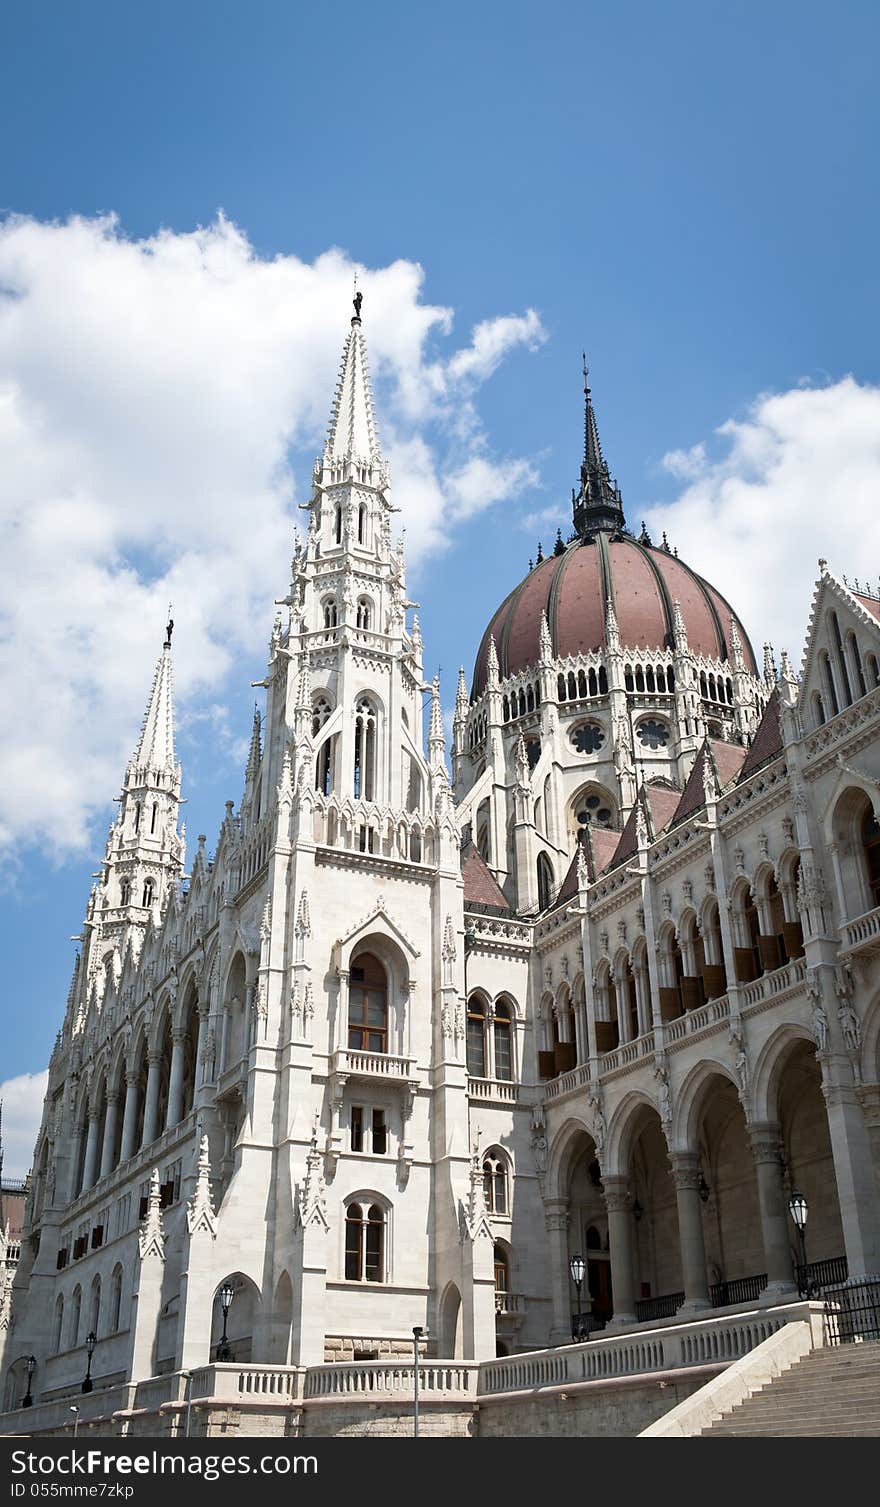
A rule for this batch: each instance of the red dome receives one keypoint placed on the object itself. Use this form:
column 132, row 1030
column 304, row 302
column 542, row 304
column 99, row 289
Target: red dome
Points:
column 643, row 582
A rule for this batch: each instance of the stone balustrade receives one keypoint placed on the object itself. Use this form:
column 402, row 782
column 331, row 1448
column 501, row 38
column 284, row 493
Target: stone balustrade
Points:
column 385, row 1379
column 496, row 1090
column 863, row 934
column 372, row 1064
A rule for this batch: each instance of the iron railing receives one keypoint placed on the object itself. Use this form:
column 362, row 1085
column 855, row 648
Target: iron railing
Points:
column 852, row 1313
column 664, row 1307
column 816, row 1276
column 740, row 1290
column 585, row 1324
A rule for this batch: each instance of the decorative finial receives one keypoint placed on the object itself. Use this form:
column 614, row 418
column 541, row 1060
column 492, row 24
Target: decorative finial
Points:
column 169, row 628
column 357, row 301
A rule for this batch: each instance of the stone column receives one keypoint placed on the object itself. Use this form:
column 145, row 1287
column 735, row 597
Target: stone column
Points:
column 856, row 1183
column 869, row 1097
column 129, row 1121
column 151, row 1106
column 109, row 1145
column 224, row 1040
column 686, row 1176
column 767, row 1150
column 90, row 1169
column 174, row 1112
column 618, row 1202
column 198, row 1066
column 556, row 1222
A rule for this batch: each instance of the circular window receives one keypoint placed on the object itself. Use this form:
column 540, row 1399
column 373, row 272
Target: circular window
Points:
column 533, row 751
column 593, row 813
column 653, row 734
column 588, row 738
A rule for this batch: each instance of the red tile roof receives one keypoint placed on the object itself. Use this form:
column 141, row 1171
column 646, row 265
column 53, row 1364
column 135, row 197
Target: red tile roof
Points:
column 767, row 742
column 480, row 888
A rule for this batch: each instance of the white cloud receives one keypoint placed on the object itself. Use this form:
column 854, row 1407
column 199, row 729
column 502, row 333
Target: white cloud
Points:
column 799, row 479
column 22, row 1099
column 150, row 394
column 685, row 464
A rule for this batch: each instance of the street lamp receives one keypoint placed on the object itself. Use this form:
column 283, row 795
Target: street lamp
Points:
column 417, row 1335
column 577, row 1267
column 798, row 1209
column 27, row 1400
column 91, row 1342
column 227, row 1293
column 75, row 1411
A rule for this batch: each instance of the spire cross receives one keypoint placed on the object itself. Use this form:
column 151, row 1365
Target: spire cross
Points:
column 169, row 628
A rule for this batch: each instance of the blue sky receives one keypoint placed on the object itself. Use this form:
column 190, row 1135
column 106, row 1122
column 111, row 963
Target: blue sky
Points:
column 688, row 190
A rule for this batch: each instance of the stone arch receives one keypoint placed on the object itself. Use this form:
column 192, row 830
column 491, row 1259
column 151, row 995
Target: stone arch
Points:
column 851, row 808
column 449, row 1324
column 624, row 1129
column 689, row 1101
column 768, row 1068
column 566, row 1147
column 281, row 1329
column 235, row 1025
column 870, row 1060
column 243, row 1318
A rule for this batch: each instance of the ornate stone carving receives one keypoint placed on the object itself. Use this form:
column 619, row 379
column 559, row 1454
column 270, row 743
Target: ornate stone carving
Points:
column 200, row 1216
column 151, row 1235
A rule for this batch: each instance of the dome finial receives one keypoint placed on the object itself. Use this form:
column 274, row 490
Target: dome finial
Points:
column 597, row 506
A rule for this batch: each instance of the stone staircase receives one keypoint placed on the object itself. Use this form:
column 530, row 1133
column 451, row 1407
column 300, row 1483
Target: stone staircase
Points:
column 834, row 1392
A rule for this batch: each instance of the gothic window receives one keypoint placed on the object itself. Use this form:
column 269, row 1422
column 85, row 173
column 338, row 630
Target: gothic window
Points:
column 73, row 1330
column 476, row 1037
column 364, row 614
column 59, row 1324
column 603, row 681
column 337, row 524
column 628, row 681
column 502, row 1041
column 871, row 842
column 505, row 709
column 495, row 1183
column 96, row 1305
column 330, row 614
column 320, row 714
column 873, row 671
column 115, row 1301
column 640, row 678
column 593, row 810
column 125, row 892
column 818, row 709
column 829, row 683
column 137, row 816
column 362, row 524
column 670, row 680
column 587, row 738
column 545, row 881
column 368, row 1006
column 652, row 733
column 364, row 750
column 841, row 659
column 661, row 680
column 855, row 658
column 502, row 1278
column 560, row 687
column 153, row 815
column 582, row 684
column 533, row 751
column 148, row 893
column 364, row 1243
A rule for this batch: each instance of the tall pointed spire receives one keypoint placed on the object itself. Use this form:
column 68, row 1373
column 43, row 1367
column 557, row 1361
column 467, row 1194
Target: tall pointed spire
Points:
column 436, row 736
column 254, row 752
column 352, row 435
column 155, row 749
column 598, row 505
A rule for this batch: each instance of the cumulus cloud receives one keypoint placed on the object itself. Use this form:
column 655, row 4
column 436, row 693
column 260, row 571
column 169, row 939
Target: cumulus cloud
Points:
column 22, row 1100
column 151, row 395
column 797, row 478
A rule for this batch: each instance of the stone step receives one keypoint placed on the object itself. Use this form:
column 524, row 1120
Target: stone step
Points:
column 831, row 1393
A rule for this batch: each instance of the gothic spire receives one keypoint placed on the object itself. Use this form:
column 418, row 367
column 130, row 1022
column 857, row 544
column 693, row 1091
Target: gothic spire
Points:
column 598, row 505
column 156, row 747
column 352, row 434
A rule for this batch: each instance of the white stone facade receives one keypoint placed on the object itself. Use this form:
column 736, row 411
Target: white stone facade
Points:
column 372, row 1076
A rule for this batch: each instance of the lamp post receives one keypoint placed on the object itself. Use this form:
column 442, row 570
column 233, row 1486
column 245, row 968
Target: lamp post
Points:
column 227, row 1293
column 75, row 1411
column 27, row 1400
column 798, row 1208
column 577, row 1267
column 91, row 1342
column 417, row 1334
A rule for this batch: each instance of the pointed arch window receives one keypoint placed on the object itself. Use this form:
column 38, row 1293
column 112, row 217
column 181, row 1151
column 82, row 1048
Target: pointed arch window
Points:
column 323, row 776
column 545, row 881
column 495, row 1183
column 337, row 523
column 330, row 612
column 502, row 1278
column 137, row 816
column 149, row 892
column 364, row 1243
column 365, row 750
column 502, row 1040
column 367, row 1006
column 362, row 524
column 116, row 1300
column 73, row 1330
column 125, row 892
column 364, row 619
column 476, row 1037
column 59, row 1324
column 871, row 844
column 154, row 813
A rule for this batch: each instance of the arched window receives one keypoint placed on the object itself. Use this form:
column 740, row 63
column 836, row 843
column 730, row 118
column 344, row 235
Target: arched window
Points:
column 364, row 750
column 873, row 671
column 149, row 892
column 364, row 1243
column 95, row 1314
column 115, row 1300
column 545, row 881
column 502, row 1040
column 320, row 714
column 855, row 659
column 846, row 689
column 59, row 1324
column 362, row 524
column 364, row 613
column 125, row 892
column 73, row 1329
column 829, row 683
column 502, row 1279
column 871, row 843
column 818, row 709
column 154, row 812
column 137, row 816
column 476, row 1037
column 330, row 614
column 495, row 1183
column 367, row 1006
column 337, row 525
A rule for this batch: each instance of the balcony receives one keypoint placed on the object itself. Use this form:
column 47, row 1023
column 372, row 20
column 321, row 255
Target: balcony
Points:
column 510, row 1308
column 862, row 935
column 372, row 1067
column 493, row 1090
